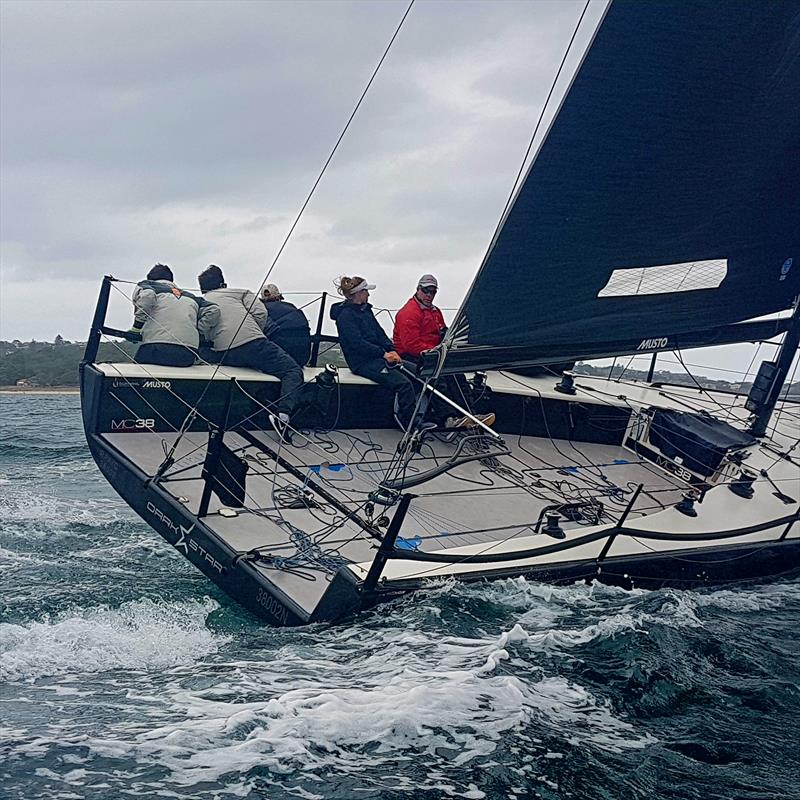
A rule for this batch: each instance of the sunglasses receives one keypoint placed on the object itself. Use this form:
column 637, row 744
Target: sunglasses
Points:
column 428, row 289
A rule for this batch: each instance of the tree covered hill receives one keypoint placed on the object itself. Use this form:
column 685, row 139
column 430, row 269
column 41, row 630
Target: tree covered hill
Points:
column 52, row 363
column 56, row 364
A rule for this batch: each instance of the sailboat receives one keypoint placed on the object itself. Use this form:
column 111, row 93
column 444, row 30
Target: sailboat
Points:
column 660, row 212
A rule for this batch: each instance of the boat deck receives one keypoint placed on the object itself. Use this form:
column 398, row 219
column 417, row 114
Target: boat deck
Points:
column 491, row 504
column 460, row 508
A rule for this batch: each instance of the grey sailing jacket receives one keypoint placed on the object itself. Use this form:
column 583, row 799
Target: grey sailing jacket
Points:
column 168, row 315
column 242, row 317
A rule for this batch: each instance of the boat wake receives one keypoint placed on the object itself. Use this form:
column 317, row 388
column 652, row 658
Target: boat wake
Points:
column 418, row 695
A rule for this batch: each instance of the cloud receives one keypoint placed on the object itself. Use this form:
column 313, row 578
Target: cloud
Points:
column 191, row 132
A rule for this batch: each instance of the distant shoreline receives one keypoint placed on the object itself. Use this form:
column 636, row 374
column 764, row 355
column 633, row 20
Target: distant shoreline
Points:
column 39, row 390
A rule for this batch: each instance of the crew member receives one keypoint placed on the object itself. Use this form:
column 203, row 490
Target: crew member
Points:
column 367, row 349
column 169, row 320
column 239, row 341
column 287, row 325
column 419, row 326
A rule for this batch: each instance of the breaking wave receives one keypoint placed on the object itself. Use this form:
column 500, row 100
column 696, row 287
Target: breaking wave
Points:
column 143, row 635
column 26, row 508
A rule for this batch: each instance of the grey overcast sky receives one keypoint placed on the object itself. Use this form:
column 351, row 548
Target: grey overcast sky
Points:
column 190, row 132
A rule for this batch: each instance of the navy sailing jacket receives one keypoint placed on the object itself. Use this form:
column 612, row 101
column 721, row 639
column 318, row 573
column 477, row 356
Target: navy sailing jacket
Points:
column 285, row 317
column 360, row 335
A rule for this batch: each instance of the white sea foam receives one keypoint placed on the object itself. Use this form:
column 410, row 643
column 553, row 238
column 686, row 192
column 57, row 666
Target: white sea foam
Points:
column 22, row 506
column 521, row 592
column 10, row 557
column 761, row 598
column 684, row 609
column 549, row 608
column 555, row 639
column 138, row 635
column 549, row 612
column 413, row 692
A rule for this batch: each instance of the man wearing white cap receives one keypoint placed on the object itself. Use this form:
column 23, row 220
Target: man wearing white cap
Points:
column 419, row 326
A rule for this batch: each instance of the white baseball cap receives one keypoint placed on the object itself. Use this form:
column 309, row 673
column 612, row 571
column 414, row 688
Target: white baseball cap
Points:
column 428, row 280
column 361, row 286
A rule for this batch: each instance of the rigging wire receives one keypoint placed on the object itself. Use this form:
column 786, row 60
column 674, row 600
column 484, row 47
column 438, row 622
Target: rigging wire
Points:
column 338, row 142
column 538, row 124
column 727, row 411
column 314, row 187
column 453, row 328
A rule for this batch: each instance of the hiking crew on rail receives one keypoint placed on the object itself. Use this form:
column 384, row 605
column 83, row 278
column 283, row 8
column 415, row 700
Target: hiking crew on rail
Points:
column 419, row 326
column 239, row 341
column 367, row 349
column 169, row 320
column 287, row 325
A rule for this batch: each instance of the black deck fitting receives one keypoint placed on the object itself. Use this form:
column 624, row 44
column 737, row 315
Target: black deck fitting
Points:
column 553, row 528
column 567, row 384
column 686, row 505
column 743, row 485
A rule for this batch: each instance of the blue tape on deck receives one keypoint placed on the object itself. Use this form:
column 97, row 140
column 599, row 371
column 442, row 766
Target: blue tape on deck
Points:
column 330, row 467
column 621, row 461
column 408, row 544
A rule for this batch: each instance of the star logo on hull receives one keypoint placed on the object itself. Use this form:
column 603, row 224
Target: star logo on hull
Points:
column 181, row 543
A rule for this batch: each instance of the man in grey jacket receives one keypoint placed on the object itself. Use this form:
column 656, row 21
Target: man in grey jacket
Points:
column 168, row 320
column 239, row 341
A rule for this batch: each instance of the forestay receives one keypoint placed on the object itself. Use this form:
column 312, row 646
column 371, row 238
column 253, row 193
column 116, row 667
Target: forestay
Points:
column 663, row 204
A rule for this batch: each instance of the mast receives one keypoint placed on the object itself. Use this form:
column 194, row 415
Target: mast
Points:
column 763, row 403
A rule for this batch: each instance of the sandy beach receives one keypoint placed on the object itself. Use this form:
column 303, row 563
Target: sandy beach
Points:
column 39, row 390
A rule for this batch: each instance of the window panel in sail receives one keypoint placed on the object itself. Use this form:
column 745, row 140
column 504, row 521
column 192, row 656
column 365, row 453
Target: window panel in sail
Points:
column 666, row 278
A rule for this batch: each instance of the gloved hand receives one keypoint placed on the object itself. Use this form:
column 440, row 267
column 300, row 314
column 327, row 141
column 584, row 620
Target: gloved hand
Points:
column 134, row 333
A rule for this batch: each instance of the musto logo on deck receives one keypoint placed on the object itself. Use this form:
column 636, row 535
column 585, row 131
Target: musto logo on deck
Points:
column 184, row 542
column 785, row 267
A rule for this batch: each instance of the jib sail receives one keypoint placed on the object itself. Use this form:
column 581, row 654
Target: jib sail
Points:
column 665, row 199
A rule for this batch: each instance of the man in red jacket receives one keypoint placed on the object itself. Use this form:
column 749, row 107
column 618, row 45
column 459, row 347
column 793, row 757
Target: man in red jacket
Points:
column 419, row 326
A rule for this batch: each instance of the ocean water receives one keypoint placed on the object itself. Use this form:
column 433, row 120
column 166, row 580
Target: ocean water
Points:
column 125, row 673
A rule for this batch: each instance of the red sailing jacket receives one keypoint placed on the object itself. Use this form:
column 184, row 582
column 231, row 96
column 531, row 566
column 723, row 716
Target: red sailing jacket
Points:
column 417, row 328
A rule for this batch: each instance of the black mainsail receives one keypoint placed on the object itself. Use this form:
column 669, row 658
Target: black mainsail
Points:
column 663, row 206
